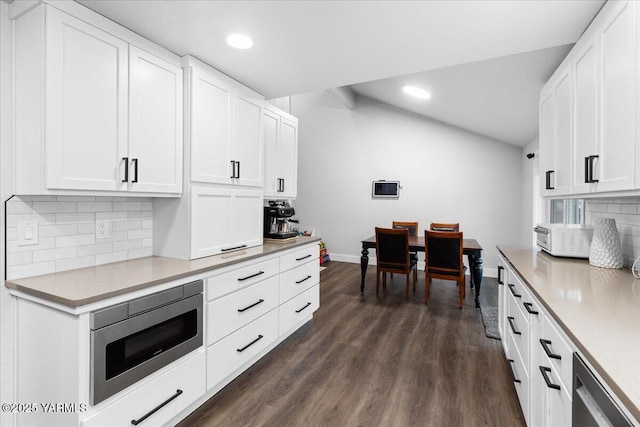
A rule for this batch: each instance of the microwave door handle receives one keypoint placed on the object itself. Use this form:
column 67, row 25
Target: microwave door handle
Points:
column 541, row 230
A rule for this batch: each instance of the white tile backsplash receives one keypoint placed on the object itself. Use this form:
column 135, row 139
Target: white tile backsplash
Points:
column 626, row 212
column 66, row 232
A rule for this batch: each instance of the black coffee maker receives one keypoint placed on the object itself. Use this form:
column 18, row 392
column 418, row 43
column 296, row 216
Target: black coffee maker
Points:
column 277, row 220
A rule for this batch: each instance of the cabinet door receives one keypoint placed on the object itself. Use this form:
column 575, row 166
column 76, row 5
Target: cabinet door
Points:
column 563, row 134
column 547, row 142
column 86, row 105
column 288, row 157
column 224, row 219
column 271, row 132
column 246, row 218
column 210, row 219
column 155, row 123
column 586, row 112
column 210, row 119
column 615, row 165
column 247, row 145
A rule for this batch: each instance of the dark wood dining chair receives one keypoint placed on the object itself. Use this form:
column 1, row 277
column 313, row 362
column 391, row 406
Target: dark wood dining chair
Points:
column 443, row 259
column 409, row 225
column 413, row 231
column 392, row 252
column 442, row 226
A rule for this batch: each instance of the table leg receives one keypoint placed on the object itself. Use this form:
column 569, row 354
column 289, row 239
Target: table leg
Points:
column 364, row 261
column 475, row 265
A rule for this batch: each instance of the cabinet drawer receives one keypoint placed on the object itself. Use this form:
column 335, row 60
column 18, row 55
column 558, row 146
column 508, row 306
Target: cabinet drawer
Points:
column 298, row 308
column 518, row 328
column 231, row 312
column 520, row 379
column 557, row 351
column 298, row 280
column 239, row 278
column 187, row 377
column 232, row 352
column 299, row 257
column 517, row 291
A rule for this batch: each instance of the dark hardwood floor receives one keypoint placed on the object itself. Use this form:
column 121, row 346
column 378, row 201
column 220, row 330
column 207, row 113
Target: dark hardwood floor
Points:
column 364, row 361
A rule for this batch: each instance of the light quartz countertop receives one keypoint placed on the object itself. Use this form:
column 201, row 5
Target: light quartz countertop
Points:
column 598, row 308
column 74, row 288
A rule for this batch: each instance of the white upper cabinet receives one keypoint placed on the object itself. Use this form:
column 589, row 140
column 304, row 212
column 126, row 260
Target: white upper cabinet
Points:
column 614, row 167
column 602, row 136
column 248, row 137
column 281, row 154
column 93, row 111
column 555, row 136
column 155, row 123
column 86, row 105
column 211, row 116
column 225, row 120
column 585, row 67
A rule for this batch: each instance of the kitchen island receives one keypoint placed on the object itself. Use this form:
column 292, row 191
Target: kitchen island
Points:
column 597, row 308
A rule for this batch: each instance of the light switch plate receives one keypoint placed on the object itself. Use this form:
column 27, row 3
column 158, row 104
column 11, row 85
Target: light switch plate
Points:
column 27, row 233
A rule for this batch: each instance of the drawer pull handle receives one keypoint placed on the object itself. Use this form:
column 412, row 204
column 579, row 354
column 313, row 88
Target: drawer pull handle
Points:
column 500, row 279
column 300, row 281
column 242, row 279
column 260, row 301
column 135, row 171
column 543, row 371
column 528, row 306
column 513, row 373
column 512, row 288
column 307, row 305
column 233, row 248
column 304, row 257
column 156, row 409
column 550, row 354
column 240, row 350
column 126, row 169
column 513, row 328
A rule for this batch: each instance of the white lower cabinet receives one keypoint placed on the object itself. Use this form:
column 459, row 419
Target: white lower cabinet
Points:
column 540, row 355
column 255, row 305
column 184, row 383
column 297, row 309
column 236, row 350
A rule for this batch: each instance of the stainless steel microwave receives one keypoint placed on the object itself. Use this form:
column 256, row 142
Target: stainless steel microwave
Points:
column 136, row 338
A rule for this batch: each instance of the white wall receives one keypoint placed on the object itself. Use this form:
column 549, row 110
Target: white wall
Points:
column 531, row 200
column 447, row 175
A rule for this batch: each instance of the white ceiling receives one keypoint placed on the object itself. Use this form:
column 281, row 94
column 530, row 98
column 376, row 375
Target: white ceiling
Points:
column 303, row 46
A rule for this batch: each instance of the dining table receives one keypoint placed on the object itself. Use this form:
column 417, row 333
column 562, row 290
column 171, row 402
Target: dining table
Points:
column 471, row 248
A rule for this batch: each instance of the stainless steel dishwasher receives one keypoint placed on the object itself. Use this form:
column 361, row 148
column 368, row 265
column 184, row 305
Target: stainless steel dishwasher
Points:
column 592, row 404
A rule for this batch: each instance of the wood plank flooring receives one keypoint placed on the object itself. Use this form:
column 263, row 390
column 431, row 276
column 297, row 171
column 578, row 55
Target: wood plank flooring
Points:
column 365, row 361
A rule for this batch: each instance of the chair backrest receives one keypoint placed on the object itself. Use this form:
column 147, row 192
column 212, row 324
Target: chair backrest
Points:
column 443, row 226
column 443, row 251
column 411, row 226
column 392, row 247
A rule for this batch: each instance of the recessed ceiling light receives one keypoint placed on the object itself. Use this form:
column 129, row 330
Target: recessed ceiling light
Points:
column 239, row 41
column 417, row 92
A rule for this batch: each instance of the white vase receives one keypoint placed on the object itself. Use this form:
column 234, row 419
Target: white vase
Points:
column 605, row 250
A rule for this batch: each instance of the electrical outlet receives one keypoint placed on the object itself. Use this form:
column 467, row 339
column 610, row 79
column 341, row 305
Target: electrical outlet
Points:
column 102, row 229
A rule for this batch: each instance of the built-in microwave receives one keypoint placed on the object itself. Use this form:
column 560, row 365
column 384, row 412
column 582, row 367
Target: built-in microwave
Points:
column 564, row 240
column 136, row 338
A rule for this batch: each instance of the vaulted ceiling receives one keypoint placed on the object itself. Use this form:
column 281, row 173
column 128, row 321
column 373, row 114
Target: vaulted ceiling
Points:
column 483, row 61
